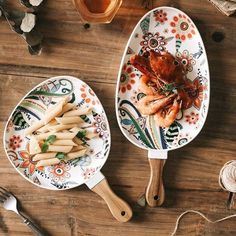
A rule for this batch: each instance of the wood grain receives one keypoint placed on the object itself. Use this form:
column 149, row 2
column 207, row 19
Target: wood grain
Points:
column 190, row 174
column 155, row 192
column 119, row 209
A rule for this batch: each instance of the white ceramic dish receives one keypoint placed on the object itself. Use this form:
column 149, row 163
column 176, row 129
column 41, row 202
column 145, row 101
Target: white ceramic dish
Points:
column 76, row 172
column 162, row 29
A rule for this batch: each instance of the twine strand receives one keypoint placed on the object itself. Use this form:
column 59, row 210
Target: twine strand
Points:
column 227, row 181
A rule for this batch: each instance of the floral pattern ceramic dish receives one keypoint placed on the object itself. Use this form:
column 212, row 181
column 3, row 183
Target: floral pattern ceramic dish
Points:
column 32, row 108
column 163, row 29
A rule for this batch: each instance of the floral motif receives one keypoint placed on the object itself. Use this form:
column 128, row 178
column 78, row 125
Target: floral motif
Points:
column 182, row 27
column 153, row 42
column 100, row 126
column 192, row 118
column 88, row 173
column 181, row 139
column 198, row 93
column 160, row 16
column 15, row 142
column 28, row 163
column 85, row 94
column 134, row 97
column 186, row 59
column 59, row 172
column 127, row 78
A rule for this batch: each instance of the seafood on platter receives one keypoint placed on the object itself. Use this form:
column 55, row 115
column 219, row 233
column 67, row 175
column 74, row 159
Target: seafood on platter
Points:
column 165, row 85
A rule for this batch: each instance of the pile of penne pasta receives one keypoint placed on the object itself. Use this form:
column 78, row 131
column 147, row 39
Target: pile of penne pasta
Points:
column 59, row 135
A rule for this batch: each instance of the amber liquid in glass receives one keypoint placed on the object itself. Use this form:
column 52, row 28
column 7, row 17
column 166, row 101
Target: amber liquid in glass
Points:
column 97, row 11
column 97, row 6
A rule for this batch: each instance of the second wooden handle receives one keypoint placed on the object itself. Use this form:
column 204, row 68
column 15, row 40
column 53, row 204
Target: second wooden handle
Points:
column 155, row 193
column 118, row 207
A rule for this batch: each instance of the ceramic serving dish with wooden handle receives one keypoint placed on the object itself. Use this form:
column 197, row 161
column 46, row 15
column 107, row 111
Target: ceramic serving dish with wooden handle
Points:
column 83, row 170
column 162, row 29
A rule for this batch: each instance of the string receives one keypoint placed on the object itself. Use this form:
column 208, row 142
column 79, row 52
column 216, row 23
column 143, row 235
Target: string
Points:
column 227, row 181
column 202, row 215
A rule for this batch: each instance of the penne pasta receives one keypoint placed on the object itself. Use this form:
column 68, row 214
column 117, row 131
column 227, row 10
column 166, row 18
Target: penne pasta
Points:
column 77, row 141
column 34, row 147
column 64, row 142
column 56, row 138
column 50, row 114
column 48, row 162
column 73, row 155
column 81, row 111
column 60, row 136
column 36, row 125
column 45, row 128
column 75, row 130
column 43, row 156
column 54, row 110
column 69, row 120
column 78, row 148
column 66, row 107
column 60, row 127
column 54, row 148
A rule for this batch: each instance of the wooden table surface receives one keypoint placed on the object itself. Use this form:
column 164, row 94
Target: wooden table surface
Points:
column 191, row 173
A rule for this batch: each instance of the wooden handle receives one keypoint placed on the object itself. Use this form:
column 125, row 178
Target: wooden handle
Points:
column 155, row 193
column 119, row 208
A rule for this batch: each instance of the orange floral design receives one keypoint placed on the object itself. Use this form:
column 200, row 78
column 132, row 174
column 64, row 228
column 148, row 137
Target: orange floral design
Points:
column 182, row 27
column 28, row 163
column 59, row 172
column 85, row 92
column 127, row 78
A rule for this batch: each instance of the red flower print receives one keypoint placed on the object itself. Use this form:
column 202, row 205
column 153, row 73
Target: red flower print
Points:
column 88, row 173
column 195, row 90
column 28, row 163
column 182, row 27
column 127, row 78
column 160, row 16
column 59, row 172
column 186, row 59
column 192, row 118
column 153, row 42
column 15, row 142
column 198, row 98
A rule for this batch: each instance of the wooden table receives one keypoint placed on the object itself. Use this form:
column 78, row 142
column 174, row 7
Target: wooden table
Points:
column 191, row 173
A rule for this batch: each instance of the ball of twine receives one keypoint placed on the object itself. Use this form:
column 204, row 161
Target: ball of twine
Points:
column 227, row 176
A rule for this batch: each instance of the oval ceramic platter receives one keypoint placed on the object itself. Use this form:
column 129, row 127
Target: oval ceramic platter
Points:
column 163, row 29
column 31, row 108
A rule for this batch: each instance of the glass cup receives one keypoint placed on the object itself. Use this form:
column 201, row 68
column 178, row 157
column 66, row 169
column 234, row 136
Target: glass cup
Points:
column 97, row 11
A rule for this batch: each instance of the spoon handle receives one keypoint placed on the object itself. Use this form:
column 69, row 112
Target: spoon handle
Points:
column 155, row 193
